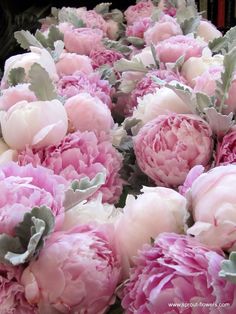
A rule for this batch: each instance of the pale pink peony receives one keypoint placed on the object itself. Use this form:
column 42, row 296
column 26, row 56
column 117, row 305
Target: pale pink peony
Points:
column 156, row 210
column 193, row 174
column 171, row 49
column 88, row 113
column 79, row 155
column 77, row 271
column 25, row 124
column 104, row 57
column 139, row 27
column 143, row 8
column 166, row 27
column 12, row 95
column 167, row 8
column 93, row 20
column 208, row 31
column 226, row 149
column 72, row 85
column 177, row 269
column 113, row 29
column 167, row 147
column 12, row 294
column 24, row 187
column 69, row 63
column 83, row 40
column 213, row 203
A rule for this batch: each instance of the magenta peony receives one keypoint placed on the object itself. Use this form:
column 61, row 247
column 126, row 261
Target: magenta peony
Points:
column 143, row 8
column 213, row 202
column 138, row 28
column 166, row 27
column 12, row 292
column 69, row 86
column 76, row 272
column 101, row 57
column 79, row 155
column 24, row 187
column 171, row 49
column 167, row 147
column 226, row 149
column 87, row 113
column 177, row 270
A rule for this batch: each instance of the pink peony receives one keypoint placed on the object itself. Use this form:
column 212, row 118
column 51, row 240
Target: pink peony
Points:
column 167, row 147
column 167, row 8
column 177, row 270
column 104, row 57
column 143, row 8
column 213, row 203
column 208, row 31
column 87, row 113
column 193, row 174
column 76, row 272
column 171, row 49
column 226, row 149
column 147, row 85
column 69, row 63
column 24, row 187
column 166, row 27
column 83, row 40
column 79, row 155
column 14, row 94
column 93, row 20
column 69, row 86
column 12, row 296
column 139, row 27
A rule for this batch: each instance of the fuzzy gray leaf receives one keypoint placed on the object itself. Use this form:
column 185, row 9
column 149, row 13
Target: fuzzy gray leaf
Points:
column 228, row 268
column 16, row 76
column 124, row 65
column 26, row 39
column 102, row 8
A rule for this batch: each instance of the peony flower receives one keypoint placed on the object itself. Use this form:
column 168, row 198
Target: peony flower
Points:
column 92, row 211
column 79, row 155
column 156, row 210
column 162, row 101
column 143, row 8
column 72, row 85
column 226, row 149
column 25, row 187
column 145, row 56
column 167, row 147
column 194, row 66
column 193, row 174
column 171, row 49
column 112, row 29
column 166, row 27
column 83, row 40
column 147, row 85
column 167, row 8
column 92, row 19
column 208, row 31
column 104, row 57
column 14, row 94
column 87, row 113
column 6, row 154
column 12, row 297
column 177, row 270
column 76, row 272
column 213, row 204
column 69, row 63
column 19, row 131
column 139, row 27
column 26, row 60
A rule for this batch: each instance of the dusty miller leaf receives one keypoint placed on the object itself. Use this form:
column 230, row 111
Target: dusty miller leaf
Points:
column 223, row 85
column 82, row 190
column 136, row 41
column 26, row 39
column 190, row 25
column 107, row 73
column 124, row 65
column 58, row 49
column 9, row 244
column 115, row 15
column 228, row 268
column 16, row 76
column 54, row 35
column 117, row 45
column 102, row 8
column 41, row 38
column 70, row 15
column 224, row 44
column 154, row 55
column 41, row 84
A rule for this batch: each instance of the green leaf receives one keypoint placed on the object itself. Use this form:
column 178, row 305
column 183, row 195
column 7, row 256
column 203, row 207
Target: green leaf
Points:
column 223, row 85
column 186, row 13
column 70, row 15
column 224, row 44
column 26, row 39
column 29, row 238
column 190, row 25
column 102, row 8
column 154, row 55
column 107, row 73
column 126, row 86
column 117, row 45
column 54, row 35
column 41, row 84
column 16, row 76
column 124, row 65
column 156, row 15
column 41, row 38
column 82, row 190
column 136, row 41
column 58, row 49
column 115, row 15
column 203, row 102
column 228, row 268
column 178, row 63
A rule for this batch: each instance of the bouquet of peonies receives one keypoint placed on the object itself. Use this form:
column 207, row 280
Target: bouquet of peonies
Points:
column 118, row 164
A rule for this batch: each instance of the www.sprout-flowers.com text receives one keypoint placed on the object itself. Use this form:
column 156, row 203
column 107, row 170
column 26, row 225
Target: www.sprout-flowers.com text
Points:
column 198, row 304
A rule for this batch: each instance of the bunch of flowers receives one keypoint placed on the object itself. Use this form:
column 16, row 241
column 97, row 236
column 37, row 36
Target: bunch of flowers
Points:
column 118, row 164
